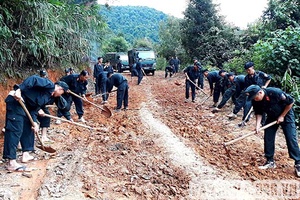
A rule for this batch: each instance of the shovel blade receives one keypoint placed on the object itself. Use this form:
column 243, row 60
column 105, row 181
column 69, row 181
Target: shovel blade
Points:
column 106, row 112
column 46, row 149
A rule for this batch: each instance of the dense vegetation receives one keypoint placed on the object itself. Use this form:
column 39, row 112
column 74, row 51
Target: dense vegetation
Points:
column 133, row 22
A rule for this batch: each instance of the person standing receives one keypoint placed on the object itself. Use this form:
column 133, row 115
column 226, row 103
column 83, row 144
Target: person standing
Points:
column 253, row 77
column 120, row 82
column 191, row 74
column 77, row 84
column 98, row 69
column 176, row 64
column 35, row 92
column 139, row 70
column 278, row 106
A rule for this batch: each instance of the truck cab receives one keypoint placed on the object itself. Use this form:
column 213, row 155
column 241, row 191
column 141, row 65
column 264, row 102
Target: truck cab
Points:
column 148, row 59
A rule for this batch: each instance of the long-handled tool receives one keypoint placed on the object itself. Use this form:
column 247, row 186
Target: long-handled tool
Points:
column 245, row 136
column 65, row 120
column 42, row 147
column 197, row 86
column 104, row 110
column 242, row 124
column 99, row 95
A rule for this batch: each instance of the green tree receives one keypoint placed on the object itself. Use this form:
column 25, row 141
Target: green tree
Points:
column 116, row 44
column 204, row 34
column 170, row 39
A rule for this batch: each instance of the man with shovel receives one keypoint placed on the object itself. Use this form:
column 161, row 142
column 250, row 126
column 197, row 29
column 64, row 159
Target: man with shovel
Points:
column 191, row 74
column 35, row 92
column 78, row 85
column 278, row 107
column 119, row 81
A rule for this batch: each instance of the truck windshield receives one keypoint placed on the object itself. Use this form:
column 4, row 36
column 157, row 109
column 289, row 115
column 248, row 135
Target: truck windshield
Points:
column 124, row 58
column 146, row 54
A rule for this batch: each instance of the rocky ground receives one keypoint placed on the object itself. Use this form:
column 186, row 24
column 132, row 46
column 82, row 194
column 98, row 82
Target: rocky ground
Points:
column 161, row 148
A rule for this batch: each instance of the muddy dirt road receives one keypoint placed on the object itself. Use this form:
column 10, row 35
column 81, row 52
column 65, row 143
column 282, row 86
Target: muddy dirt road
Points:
column 161, row 148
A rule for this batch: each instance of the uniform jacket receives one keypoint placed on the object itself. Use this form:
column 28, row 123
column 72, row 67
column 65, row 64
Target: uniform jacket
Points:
column 273, row 104
column 115, row 80
column 75, row 85
column 259, row 78
column 36, row 92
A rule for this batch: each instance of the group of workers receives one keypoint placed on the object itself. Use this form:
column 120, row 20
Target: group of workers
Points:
column 37, row 92
column 251, row 92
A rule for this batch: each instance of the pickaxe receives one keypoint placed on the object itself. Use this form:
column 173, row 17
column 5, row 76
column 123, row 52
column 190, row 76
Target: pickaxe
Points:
column 244, row 136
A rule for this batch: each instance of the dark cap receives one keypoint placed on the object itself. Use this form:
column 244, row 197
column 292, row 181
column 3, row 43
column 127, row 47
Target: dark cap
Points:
column 43, row 73
column 230, row 74
column 63, row 85
column 204, row 70
column 252, row 90
column 198, row 64
column 221, row 71
column 248, row 65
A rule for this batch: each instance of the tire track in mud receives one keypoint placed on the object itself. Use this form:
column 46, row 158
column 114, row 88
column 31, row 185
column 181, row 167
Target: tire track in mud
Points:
column 206, row 181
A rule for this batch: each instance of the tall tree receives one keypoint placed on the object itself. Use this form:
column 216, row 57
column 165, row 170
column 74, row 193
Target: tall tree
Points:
column 204, row 34
column 170, row 38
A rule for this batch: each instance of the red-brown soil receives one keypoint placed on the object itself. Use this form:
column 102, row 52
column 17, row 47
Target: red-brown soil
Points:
column 134, row 156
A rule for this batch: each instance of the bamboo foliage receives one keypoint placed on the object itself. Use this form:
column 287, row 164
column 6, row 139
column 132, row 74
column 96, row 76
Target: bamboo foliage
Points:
column 40, row 33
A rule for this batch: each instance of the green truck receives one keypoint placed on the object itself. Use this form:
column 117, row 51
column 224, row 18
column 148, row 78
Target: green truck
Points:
column 115, row 58
column 148, row 59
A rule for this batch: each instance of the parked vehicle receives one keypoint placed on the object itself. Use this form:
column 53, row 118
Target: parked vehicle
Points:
column 148, row 59
column 118, row 57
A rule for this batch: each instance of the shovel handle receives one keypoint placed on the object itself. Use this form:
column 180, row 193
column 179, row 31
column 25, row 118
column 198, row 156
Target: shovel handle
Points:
column 249, row 134
column 65, row 120
column 31, row 121
column 76, row 95
column 197, row 86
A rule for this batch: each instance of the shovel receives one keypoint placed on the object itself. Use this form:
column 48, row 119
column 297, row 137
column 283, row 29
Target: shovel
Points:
column 42, row 147
column 244, row 136
column 104, row 110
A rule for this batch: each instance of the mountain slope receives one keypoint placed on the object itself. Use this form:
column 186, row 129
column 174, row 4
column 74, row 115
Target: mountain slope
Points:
column 133, row 22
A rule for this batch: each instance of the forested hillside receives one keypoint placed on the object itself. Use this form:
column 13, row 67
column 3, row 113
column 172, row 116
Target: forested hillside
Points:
column 133, row 22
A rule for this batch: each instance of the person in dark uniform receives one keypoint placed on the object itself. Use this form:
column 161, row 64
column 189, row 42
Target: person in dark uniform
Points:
column 214, row 80
column 98, row 69
column 278, row 106
column 139, row 71
column 119, row 81
column 77, row 84
column 119, row 64
column 191, row 74
column 200, row 76
column 44, row 121
column 103, row 81
column 235, row 87
column 253, row 77
column 169, row 70
column 35, row 92
column 172, row 63
column 176, row 64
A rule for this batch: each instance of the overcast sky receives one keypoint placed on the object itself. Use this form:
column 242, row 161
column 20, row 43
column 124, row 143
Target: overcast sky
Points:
column 238, row 12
